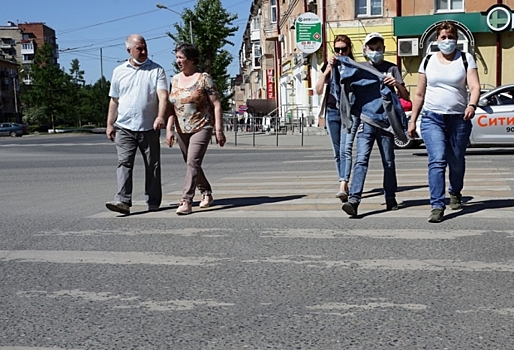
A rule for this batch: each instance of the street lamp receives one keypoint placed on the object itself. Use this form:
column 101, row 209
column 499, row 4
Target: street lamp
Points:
column 161, row 6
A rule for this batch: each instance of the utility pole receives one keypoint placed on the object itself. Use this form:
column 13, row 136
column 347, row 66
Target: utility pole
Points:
column 101, row 64
column 161, row 6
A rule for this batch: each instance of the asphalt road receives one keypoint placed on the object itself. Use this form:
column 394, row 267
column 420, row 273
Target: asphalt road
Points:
column 274, row 264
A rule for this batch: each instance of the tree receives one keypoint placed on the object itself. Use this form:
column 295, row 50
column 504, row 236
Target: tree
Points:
column 97, row 102
column 77, row 92
column 77, row 75
column 212, row 26
column 47, row 92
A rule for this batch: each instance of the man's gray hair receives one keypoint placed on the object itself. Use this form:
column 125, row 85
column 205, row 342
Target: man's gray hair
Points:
column 129, row 42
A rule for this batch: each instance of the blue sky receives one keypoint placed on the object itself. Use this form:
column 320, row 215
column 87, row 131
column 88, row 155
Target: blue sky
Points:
column 83, row 27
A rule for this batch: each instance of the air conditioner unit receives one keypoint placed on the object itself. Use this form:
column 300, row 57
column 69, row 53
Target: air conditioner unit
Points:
column 292, row 21
column 281, row 38
column 408, row 47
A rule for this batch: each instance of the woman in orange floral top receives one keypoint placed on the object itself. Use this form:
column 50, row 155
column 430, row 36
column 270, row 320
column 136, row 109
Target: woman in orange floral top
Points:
column 196, row 111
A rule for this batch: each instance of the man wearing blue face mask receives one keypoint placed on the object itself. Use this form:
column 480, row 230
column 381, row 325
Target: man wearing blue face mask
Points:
column 367, row 133
column 373, row 50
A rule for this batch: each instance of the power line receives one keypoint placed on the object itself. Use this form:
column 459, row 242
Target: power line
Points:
column 88, row 47
column 107, row 22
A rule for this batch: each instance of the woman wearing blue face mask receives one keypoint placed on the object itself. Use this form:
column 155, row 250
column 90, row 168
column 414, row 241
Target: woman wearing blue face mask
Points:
column 442, row 101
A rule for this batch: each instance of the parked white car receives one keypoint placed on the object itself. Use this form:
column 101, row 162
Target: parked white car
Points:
column 493, row 124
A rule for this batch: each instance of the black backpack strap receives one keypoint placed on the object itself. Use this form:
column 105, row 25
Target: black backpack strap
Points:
column 426, row 62
column 464, row 60
column 462, row 55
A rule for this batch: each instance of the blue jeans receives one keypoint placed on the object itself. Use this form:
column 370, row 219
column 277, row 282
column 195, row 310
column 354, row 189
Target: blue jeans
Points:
column 342, row 143
column 365, row 140
column 446, row 137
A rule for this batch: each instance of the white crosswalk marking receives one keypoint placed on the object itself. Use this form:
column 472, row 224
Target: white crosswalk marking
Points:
column 312, row 194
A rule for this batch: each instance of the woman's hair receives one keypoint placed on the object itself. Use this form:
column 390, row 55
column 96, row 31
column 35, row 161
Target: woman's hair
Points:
column 448, row 26
column 190, row 51
column 345, row 39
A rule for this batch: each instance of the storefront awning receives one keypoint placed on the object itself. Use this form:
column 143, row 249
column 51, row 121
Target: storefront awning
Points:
column 262, row 106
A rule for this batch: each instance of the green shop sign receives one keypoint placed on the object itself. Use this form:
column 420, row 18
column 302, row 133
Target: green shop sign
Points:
column 499, row 18
column 496, row 19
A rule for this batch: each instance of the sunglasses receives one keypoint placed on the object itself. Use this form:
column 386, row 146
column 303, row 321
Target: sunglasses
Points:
column 341, row 49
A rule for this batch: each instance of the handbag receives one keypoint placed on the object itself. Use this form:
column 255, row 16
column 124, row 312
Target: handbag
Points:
column 323, row 103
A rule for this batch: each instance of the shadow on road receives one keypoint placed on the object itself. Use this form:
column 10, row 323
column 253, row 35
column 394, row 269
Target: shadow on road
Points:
column 380, row 192
column 450, row 214
column 225, row 203
column 238, row 202
column 479, row 206
column 475, row 152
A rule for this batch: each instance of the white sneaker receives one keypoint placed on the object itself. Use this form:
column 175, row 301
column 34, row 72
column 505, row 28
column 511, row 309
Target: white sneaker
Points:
column 206, row 200
column 184, row 208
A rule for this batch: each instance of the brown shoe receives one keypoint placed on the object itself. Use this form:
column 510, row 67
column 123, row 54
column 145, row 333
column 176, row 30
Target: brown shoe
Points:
column 206, row 200
column 184, row 208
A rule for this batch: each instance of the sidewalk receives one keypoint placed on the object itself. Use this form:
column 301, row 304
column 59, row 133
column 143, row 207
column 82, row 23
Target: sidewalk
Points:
column 311, row 138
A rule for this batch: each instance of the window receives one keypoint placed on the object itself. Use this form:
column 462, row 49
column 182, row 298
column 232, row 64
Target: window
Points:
column 273, row 8
column 256, row 55
column 449, row 5
column 256, row 23
column 27, row 46
column 369, row 8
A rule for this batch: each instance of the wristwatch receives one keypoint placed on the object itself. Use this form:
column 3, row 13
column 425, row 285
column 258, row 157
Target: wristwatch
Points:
column 473, row 105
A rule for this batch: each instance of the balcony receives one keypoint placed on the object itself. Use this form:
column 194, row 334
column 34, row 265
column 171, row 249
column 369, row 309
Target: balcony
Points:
column 256, row 35
column 6, row 46
column 27, row 49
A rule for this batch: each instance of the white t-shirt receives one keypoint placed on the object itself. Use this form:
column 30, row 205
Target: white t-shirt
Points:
column 446, row 91
column 136, row 91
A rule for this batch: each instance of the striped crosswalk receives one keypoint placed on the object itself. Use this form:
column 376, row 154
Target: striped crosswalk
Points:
column 312, row 194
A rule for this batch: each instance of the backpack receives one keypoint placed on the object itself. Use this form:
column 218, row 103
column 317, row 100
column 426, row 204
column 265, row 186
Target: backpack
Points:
column 462, row 55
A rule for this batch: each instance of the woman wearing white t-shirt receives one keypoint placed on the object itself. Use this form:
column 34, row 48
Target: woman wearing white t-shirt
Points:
column 441, row 99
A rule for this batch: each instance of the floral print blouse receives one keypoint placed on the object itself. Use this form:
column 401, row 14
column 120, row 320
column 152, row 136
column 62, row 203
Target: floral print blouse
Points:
column 193, row 107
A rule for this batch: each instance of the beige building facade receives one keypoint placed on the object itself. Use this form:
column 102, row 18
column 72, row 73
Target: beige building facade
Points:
column 408, row 26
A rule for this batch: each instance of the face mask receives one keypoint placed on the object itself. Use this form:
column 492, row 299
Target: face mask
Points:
column 137, row 62
column 447, row 46
column 375, row 56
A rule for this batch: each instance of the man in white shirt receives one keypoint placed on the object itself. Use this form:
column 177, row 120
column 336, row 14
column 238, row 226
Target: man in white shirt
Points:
column 139, row 99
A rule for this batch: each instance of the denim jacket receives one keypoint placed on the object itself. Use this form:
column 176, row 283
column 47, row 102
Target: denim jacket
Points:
column 361, row 92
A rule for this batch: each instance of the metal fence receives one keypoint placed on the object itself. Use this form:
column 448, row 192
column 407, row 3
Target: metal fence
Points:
column 271, row 129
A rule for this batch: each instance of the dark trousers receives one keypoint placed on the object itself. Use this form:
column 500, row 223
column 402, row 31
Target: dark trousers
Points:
column 127, row 144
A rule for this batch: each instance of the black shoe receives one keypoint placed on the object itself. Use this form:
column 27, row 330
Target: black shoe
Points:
column 350, row 208
column 455, row 201
column 436, row 215
column 391, row 204
column 118, row 207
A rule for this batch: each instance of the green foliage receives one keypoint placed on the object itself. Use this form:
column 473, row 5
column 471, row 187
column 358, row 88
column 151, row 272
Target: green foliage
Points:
column 212, row 26
column 56, row 97
column 48, row 87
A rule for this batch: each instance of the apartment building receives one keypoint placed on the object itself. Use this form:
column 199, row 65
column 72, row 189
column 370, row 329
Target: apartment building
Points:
column 18, row 47
column 9, row 92
column 19, row 42
column 408, row 26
